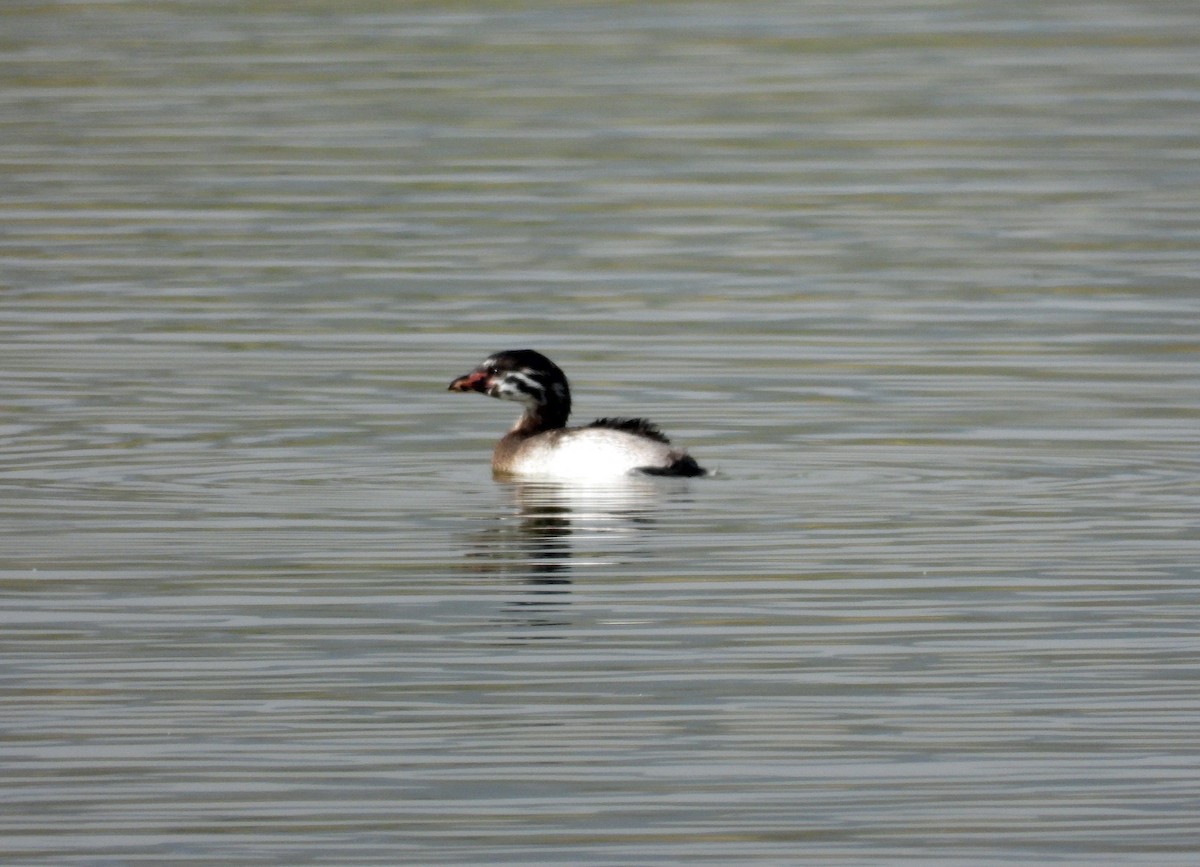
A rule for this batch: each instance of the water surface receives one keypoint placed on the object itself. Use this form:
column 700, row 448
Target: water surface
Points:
column 917, row 279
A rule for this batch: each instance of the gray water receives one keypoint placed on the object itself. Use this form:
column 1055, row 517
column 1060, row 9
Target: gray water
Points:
column 919, row 281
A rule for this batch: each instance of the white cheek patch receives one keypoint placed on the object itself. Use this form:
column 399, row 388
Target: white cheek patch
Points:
column 521, row 388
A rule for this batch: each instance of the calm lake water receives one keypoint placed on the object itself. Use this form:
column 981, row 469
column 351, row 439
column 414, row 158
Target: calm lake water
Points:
column 920, row 280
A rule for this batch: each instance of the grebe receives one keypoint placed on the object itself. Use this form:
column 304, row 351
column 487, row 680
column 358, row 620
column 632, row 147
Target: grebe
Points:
column 540, row 443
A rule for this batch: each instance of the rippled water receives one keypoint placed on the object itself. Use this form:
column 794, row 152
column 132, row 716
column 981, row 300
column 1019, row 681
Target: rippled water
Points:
column 918, row 279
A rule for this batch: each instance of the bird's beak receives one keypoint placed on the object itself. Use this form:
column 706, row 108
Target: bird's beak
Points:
column 476, row 380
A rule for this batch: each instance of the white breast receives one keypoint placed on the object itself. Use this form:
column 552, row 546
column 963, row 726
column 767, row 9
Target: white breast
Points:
column 590, row 453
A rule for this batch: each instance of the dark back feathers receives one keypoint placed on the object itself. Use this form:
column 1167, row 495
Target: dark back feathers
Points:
column 638, row 426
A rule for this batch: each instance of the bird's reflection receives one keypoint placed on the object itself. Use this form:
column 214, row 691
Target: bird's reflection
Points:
column 552, row 530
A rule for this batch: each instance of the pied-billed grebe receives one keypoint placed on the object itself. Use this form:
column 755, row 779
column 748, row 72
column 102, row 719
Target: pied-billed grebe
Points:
column 540, row 444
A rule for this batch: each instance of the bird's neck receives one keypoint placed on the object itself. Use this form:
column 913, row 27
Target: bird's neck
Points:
column 538, row 419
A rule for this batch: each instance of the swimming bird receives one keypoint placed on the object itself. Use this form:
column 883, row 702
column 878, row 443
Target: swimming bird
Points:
column 541, row 445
